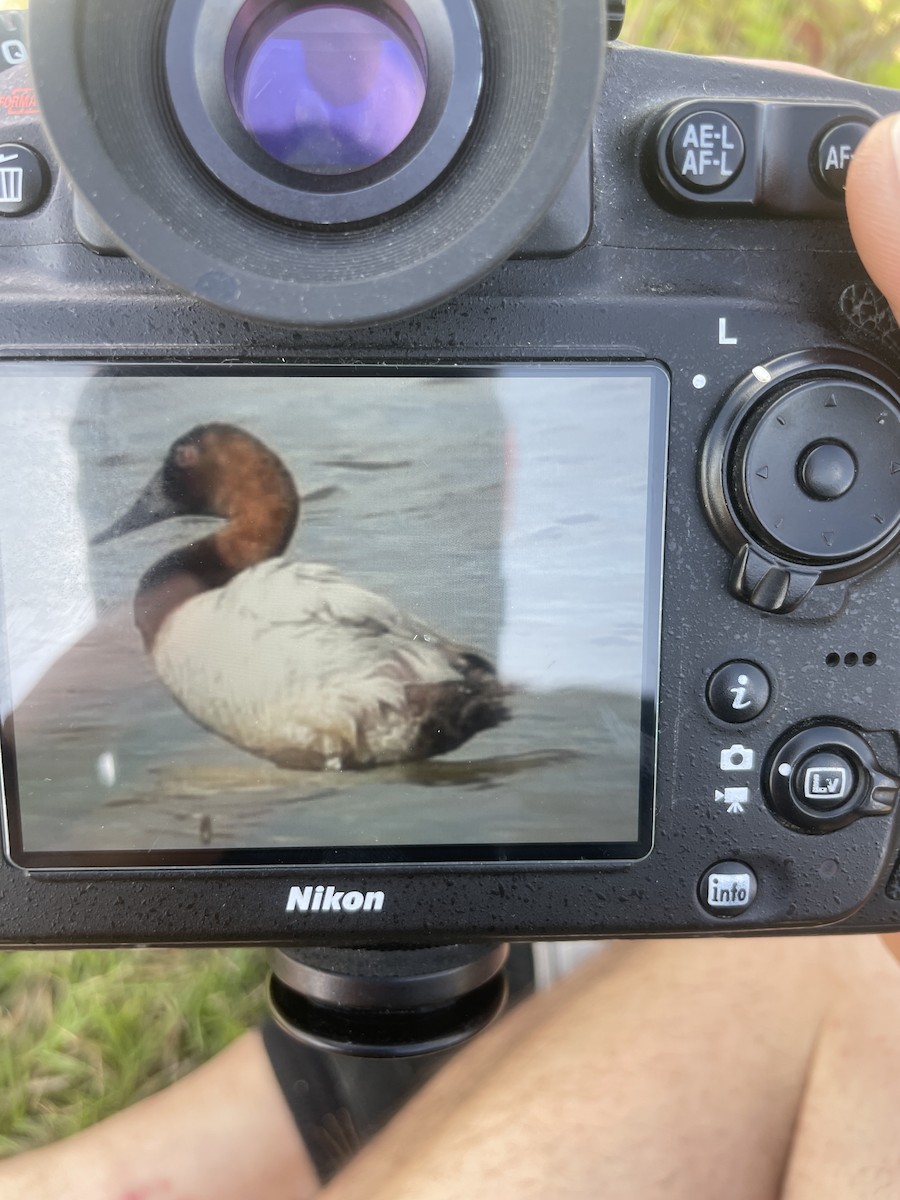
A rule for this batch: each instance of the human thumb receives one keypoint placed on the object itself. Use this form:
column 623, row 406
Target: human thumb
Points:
column 873, row 206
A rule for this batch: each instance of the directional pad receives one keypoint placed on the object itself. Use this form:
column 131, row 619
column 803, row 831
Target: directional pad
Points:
column 819, row 471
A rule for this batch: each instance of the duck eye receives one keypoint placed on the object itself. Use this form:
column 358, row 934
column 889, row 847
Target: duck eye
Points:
column 186, row 456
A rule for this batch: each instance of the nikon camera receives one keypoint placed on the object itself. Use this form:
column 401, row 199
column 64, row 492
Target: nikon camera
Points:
column 449, row 482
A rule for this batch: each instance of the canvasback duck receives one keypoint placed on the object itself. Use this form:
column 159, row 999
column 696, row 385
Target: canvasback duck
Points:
column 290, row 660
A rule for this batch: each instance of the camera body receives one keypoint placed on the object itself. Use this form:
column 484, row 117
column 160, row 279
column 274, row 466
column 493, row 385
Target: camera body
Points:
column 700, row 248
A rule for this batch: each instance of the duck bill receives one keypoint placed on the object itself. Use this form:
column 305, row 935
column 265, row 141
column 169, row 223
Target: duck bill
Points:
column 152, row 505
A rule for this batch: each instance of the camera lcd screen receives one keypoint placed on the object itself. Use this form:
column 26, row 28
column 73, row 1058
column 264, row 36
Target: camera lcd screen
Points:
column 260, row 615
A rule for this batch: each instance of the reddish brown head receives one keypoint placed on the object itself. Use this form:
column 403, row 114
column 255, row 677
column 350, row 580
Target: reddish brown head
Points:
column 221, row 471
column 215, row 471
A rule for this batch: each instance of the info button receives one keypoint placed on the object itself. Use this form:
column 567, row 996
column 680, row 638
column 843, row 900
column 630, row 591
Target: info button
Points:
column 728, row 889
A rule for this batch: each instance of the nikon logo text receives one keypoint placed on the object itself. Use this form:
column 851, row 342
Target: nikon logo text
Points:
column 328, row 899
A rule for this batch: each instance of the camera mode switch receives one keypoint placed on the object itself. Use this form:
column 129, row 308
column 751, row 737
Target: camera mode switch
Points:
column 823, row 777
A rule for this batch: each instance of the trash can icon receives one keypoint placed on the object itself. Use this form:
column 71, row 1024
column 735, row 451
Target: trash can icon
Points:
column 12, row 185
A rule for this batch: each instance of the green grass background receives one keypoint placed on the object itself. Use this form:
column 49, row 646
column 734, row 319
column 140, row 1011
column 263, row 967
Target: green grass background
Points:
column 84, row 1033
column 856, row 38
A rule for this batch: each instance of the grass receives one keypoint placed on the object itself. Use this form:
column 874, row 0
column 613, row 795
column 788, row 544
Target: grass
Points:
column 856, row 38
column 83, row 1034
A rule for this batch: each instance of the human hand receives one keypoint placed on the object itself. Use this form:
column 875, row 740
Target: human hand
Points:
column 873, row 206
column 873, row 195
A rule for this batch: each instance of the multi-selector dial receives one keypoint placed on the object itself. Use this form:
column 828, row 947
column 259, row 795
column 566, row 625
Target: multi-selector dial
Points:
column 801, row 476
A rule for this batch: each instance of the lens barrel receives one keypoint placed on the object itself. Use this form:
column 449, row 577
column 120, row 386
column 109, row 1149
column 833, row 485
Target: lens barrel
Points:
column 319, row 164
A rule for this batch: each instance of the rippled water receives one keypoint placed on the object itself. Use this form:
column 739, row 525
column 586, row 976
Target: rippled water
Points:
column 508, row 513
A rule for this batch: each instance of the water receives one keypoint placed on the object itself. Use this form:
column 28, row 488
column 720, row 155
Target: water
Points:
column 508, row 513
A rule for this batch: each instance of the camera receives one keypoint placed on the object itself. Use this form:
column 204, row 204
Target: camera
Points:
column 450, row 473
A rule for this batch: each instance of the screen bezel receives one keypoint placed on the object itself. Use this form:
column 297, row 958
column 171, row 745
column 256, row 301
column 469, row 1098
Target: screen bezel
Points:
column 545, row 854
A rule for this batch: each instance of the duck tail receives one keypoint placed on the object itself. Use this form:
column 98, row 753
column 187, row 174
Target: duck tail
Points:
column 455, row 710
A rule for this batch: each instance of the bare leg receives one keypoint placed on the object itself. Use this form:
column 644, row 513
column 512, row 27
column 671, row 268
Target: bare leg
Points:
column 846, row 1141
column 224, row 1132
column 666, row 1070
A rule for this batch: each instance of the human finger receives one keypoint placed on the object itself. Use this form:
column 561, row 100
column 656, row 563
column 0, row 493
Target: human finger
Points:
column 873, row 206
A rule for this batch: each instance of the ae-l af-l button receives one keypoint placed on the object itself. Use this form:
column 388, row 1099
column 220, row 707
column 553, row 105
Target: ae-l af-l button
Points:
column 706, row 151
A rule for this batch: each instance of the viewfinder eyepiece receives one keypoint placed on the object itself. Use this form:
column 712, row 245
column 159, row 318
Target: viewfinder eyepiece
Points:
column 320, row 163
column 327, row 88
column 325, row 113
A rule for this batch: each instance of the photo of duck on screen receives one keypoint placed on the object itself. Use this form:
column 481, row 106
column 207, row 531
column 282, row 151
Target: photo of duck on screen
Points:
column 258, row 615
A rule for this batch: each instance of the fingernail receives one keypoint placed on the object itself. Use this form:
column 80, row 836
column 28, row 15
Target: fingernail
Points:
column 894, row 128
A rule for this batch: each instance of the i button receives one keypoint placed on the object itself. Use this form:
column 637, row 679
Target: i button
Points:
column 738, row 692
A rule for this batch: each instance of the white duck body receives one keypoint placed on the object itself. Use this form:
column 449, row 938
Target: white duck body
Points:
column 293, row 662
column 289, row 660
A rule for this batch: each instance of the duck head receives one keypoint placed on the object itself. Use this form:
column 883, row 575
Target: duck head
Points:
column 220, row 471
column 212, row 471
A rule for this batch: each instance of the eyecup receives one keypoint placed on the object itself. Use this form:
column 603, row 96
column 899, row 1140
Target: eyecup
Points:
column 101, row 86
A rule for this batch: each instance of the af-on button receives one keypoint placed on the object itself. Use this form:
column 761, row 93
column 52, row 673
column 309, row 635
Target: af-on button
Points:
column 706, row 151
column 833, row 154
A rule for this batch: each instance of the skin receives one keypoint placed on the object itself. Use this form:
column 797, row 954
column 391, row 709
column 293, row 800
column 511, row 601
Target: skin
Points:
column 665, row 1071
column 873, row 205
column 757, row 1068
column 222, row 1132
